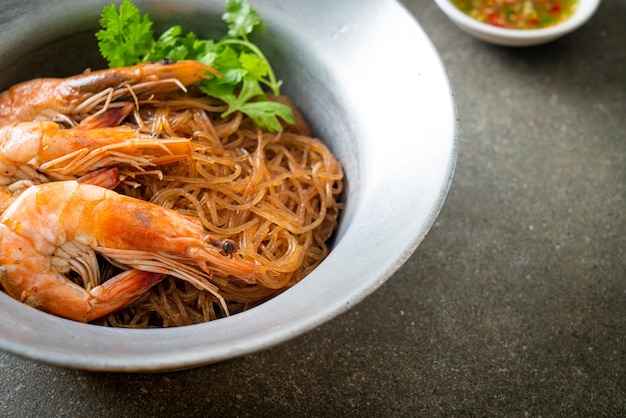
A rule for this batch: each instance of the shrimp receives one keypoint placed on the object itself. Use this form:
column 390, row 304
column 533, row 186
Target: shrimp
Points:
column 55, row 229
column 108, row 178
column 61, row 99
column 40, row 151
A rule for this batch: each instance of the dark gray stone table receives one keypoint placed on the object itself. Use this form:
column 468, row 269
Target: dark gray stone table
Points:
column 514, row 304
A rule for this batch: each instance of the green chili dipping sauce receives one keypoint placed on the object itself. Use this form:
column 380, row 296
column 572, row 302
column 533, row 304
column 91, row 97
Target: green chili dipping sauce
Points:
column 518, row 14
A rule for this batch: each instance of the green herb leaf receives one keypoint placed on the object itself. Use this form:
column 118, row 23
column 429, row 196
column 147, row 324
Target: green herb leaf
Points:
column 241, row 18
column 168, row 46
column 267, row 114
column 249, row 91
column 255, row 66
column 126, row 38
column 205, row 51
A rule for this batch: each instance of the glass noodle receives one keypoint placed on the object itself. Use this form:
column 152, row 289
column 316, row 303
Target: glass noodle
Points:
column 275, row 195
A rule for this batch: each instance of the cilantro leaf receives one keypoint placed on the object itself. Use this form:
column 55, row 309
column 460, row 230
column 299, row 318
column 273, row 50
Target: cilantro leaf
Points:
column 249, row 90
column 204, row 51
column 266, row 114
column 255, row 66
column 227, row 62
column 126, row 38
column 168, row 46
column 241, row 18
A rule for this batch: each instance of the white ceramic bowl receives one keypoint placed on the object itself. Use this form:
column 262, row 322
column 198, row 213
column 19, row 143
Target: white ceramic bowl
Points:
column 389, row 116
column 515, row 37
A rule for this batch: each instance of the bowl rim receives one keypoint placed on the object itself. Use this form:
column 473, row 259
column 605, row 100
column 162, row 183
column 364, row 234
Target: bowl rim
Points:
column 159, row 350
column 584, row 10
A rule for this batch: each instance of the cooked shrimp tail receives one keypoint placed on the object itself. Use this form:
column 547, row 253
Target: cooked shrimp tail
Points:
column 119, row 291
column 64, row 298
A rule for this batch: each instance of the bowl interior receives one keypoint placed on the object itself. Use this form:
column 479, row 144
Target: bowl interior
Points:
column 390, row 120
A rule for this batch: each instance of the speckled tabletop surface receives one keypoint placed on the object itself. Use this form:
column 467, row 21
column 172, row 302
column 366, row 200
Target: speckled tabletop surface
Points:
column 513, row 305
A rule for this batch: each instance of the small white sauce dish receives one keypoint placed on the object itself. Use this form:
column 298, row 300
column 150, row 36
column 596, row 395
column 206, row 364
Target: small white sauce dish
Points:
column 518, row 37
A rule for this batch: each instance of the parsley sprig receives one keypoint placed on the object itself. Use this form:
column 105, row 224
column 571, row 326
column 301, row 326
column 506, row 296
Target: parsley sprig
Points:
column 127, row 38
